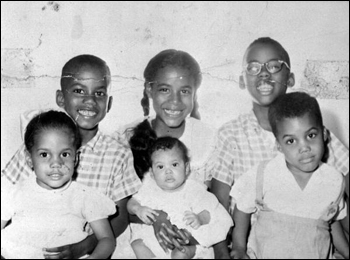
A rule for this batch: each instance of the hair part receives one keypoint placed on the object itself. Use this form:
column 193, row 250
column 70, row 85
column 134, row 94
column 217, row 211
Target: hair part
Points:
column 175, row 58
column 167, row 143
column 292, row 105
column 71, row 69
column 51, row 120
column 272, row 42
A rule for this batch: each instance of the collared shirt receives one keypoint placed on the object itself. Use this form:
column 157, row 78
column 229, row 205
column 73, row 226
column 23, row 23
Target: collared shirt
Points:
column 104, row 164
column 243, row 143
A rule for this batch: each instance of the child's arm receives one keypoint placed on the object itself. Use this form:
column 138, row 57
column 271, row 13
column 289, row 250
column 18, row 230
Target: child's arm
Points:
column 197, row 220
column 146, row 214
column 240, row 234
column 339, row 240
column 106, row 241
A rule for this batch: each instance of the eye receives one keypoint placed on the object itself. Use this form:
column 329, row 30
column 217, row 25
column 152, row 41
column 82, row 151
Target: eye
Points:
column 186, row 91
column 175, row 164
column 44, row 155
column 65, row 154
column 290, row 141
column 160, row 167
column 100, row 94
column 78, row 91
column 312, row 135
column 163, row 90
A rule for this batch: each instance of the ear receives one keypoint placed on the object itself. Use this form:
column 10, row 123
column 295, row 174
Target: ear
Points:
column 279, row 148
column 109, row 105
column 291, row 80
column 241, row 82
column 148, row 89
column 77, row 159
column 60, row 98
column 28, row 159
column 151, row 173
column 187, row 169
column 325, row 134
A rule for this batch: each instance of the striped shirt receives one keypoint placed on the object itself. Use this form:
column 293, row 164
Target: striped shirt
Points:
column 243, row 143
column 104, row 164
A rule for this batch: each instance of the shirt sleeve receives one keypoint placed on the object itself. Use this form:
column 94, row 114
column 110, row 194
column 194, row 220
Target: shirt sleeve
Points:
column 125, row 180
column 17, row 168
column 7, row 192
column 243, row 192
column 97, row 205
column 338, row 155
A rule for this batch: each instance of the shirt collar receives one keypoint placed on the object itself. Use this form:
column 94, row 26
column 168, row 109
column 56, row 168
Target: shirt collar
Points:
column 93, row 142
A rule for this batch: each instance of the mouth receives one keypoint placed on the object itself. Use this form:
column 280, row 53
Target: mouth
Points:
column 55, row 176
column 307, row 160
column 265, row 88
column 86, row 113
column 172, row 113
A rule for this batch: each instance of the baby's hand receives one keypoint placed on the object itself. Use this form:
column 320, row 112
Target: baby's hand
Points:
column 147, row 215
column 192, row 219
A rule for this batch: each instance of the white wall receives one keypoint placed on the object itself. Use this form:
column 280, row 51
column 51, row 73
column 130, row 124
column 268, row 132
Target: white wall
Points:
column 37, row 38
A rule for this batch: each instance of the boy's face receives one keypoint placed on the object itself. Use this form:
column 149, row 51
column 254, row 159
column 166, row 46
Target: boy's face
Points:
column 53, row 158
column 85, row 97
column 265, row 87
column 301, row 140
column 168, row 168
column 173, row 94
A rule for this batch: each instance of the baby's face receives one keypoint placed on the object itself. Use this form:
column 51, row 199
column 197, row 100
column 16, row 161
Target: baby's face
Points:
column 265, row 87
column 169, row 168
column 301, row 140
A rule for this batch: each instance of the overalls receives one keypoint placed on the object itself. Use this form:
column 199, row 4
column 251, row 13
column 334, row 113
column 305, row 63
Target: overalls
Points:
column 277, row 235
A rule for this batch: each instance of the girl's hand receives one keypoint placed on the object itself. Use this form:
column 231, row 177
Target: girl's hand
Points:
column 239, row 253
column 147, row 215
column 192, row 219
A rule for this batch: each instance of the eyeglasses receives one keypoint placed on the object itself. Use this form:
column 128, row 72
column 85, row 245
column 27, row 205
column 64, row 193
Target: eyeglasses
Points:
column 272, row 66
column 80, row 93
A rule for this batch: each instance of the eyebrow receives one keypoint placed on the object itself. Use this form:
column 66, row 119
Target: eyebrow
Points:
column 310, row 129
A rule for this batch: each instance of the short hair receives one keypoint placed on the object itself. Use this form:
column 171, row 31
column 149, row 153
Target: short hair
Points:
column 74, row 65
column 168, row 143
column 276, row 44
column 292, row 105
column 51, row 120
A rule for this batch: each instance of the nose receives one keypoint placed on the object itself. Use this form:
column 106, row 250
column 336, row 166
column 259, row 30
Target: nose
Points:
column 175, row 97
column 264, row 73
column 90, row 99
column 56, row 162
column 304, row 147
column 168, row 171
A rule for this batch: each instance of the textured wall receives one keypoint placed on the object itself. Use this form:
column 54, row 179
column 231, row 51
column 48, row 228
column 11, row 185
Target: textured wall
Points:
column 37, row 38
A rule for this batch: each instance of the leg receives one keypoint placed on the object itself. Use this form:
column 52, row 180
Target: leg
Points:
column 141, row 250
column 190, row 252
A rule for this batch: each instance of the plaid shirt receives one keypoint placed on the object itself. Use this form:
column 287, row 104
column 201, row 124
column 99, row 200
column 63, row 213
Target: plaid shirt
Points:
column 243, row 143
column 104, row 164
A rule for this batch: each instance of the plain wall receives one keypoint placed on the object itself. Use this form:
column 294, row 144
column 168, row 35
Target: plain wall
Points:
column 37, row 38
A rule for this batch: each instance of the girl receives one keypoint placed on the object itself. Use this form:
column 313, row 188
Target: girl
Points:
column 48, row 208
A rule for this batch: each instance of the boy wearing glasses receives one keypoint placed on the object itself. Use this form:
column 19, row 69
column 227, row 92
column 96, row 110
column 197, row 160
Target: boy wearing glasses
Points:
column 248, row 140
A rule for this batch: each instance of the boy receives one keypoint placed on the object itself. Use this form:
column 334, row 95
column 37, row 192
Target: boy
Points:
column 296, row 195
column 104, row 164
column 246, row 141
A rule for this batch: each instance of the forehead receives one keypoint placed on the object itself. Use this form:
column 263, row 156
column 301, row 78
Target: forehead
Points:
column 173, row 153
column 263, row 52
column 299, row 123
column 172, row 74
column 88, row 75
column 62, row 137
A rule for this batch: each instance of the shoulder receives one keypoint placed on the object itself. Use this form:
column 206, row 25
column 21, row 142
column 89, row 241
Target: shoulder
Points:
column 329, row 172
column 237, row 124
column 112, row 144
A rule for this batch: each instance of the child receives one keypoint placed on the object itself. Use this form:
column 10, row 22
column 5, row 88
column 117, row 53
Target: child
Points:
column 295, row 193
column 188, row 204
column 50, row 209
column 172, row 79
column 105, row 164
column 246, row 141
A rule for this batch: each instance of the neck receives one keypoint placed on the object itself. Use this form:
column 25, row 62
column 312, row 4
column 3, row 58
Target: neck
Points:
column 162, row 129
column 261, row 113
column 87, row 134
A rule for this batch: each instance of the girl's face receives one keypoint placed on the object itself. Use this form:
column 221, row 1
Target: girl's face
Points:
column 85, row 97
column 173, row 92
column 265, row 87
column 169, row 169
column 301, row 140
column 53, row 158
